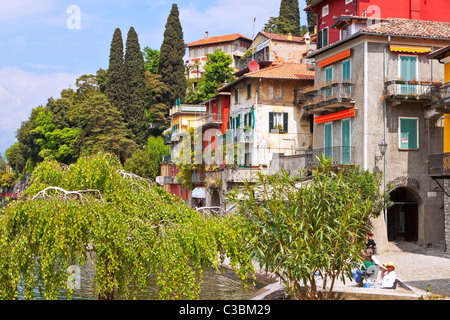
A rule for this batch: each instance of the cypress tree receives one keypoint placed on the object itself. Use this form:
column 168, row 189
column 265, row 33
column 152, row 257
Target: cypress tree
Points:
column 115, row 83
column 290, row 16
column 135, row 95
column 171, row 64
column 288, row 20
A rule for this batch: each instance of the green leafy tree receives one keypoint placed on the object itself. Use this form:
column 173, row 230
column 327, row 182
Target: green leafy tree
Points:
column 171, row 64
column 217, row 72
column 135, row 95
column 2, row 163
column 15, row 159
column 54, row 142
column 129, row 227
column 310, row 233
column 7, row 180
column 151, row 57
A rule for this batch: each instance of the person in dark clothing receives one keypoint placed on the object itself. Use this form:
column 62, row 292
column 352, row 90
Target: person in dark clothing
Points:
column 370, row 244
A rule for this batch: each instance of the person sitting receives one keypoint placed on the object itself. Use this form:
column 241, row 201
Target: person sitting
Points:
column 388, row 277
column 359, row 274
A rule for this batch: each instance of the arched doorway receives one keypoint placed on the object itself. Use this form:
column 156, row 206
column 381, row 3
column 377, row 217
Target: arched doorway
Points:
column 403, row 216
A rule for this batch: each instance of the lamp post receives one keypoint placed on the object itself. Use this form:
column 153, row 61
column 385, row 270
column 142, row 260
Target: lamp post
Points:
column 383, row 146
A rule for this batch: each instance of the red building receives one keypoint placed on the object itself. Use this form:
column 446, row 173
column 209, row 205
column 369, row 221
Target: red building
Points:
column 329, row 12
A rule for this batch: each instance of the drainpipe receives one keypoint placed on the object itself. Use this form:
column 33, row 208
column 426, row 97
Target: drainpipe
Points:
column 385, row 121
column 366, row 101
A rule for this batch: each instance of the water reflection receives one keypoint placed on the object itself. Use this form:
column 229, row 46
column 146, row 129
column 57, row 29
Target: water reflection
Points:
column 224, row 285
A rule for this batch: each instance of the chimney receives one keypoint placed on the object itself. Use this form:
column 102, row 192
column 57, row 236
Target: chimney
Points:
column 206, row 34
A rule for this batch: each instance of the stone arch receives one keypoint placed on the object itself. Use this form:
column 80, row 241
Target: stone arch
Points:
column 403, row 217
column 215, row 198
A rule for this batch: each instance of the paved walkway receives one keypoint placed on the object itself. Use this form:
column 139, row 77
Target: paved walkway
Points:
column 423, row 271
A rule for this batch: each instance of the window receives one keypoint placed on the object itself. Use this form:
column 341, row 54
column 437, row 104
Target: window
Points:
column 408, row 133
column 346, row 141
column 408, row 71
column 328, row 138
column 328, row 79
column 278, row 120
column 347, row 76
column 277, row 90
column 248, row 119
column 236, row 96
column 325, row 10
column 323, row 38
column 346, row 71
column 249, row 90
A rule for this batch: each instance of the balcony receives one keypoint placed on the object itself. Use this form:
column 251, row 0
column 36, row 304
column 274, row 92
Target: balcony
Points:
column 166, row 180
column 327, row 97
column 212, row 120
column 439, row 165
column 408, row 90
column 340, row 155
column 440, row 97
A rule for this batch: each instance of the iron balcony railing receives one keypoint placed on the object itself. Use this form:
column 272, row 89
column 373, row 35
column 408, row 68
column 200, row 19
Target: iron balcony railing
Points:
column 339, row 155
column 210, row 120
column 400, row 89
column 326, row 95
column 440, row 94
column 439, row 164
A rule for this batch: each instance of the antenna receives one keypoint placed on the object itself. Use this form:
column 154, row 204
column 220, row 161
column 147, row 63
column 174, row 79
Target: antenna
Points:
column 253, row 35
column 253, row 66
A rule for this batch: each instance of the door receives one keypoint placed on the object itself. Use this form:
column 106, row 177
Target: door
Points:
column 408, row 72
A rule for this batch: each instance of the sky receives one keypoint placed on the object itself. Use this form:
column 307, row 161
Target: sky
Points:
column 45, row 45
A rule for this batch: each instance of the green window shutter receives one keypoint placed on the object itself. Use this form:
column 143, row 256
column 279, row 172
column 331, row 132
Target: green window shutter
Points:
column 328, row 75
column 319, row 40
column 328, row 140
column 408, row 133
column 346, row 141
column 253, row 118
column 413, row 134
column 285, row 122
column 231, row 123
column 325, row 37
column 346, row 70
column 238, row 121
column 249, row 90
column 270, row 121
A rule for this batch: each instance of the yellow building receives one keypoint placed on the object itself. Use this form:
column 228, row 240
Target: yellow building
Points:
column 183, row 117
column 442, row 94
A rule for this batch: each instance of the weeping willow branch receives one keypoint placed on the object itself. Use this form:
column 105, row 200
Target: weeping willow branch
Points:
column 66, row 195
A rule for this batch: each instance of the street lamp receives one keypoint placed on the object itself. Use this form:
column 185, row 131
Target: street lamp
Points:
column 383, row 146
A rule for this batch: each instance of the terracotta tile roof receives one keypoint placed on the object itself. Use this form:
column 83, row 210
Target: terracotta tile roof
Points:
column 282, row 37
column 219, row 39
column 411, row 28
column 285, row 71
column 398, row 27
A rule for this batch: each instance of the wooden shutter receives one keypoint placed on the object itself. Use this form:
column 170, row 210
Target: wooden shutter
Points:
column 285, row 122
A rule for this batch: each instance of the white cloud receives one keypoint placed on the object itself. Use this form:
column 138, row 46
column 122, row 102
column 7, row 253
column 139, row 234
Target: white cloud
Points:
column 22, row 91
column 11, row 10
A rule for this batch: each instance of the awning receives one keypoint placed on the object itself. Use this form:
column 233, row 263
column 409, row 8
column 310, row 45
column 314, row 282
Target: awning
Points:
column 198, row 193
column 335, row 116
column 336, row 57
column 410, row 49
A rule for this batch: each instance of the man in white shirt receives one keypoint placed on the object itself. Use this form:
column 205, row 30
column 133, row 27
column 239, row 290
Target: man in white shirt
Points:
column 388, row 277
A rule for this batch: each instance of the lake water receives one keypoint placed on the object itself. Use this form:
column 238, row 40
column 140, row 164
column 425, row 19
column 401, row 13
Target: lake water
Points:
column 224, row 285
